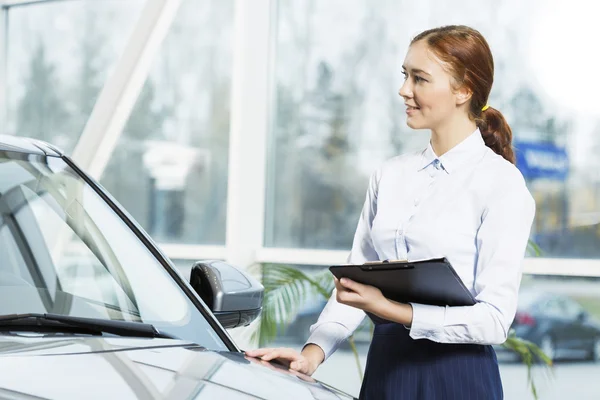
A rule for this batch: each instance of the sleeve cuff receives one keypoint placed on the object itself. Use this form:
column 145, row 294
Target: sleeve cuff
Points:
column 427, row 321
column 328, row 337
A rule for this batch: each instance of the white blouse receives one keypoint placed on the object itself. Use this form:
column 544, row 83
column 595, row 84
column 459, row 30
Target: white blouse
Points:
column 471, row 206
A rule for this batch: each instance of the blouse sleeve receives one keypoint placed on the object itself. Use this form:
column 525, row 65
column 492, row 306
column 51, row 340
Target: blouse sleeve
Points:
column 338, row 321
column 501, row 244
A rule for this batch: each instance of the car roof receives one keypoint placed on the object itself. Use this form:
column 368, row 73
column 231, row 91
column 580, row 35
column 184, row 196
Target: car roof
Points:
column 28, row 145
column 529, row 296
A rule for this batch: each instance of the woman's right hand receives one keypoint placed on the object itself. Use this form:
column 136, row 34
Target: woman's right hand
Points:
column 306, row 362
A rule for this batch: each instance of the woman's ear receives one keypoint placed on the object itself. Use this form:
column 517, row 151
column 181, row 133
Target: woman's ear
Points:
column 463, row 94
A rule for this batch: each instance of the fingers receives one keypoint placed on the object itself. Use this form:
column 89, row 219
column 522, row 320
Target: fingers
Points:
column 258, row 352
column 287, row 356
column 283, row 353
column 269, row 353
column 298, row 365
column 349, row 292
column 302, row 366
column 338, row 285
column 348, row 297
column 347, row 284
column 350, row 284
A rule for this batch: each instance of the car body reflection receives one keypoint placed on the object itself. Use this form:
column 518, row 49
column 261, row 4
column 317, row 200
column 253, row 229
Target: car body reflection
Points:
column 141, row 368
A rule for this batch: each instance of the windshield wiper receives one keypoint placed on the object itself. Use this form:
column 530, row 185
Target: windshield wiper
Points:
column 96, row 325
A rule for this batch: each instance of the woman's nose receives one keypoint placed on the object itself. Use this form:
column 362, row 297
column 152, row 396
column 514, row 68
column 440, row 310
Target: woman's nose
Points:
column 405, row 90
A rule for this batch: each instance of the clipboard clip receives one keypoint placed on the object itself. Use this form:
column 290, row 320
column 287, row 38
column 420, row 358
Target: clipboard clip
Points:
column 386, row 264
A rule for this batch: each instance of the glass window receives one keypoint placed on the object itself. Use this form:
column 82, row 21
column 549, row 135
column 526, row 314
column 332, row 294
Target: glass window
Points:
column 59, row 54
column 338, row 114
column 169, row 168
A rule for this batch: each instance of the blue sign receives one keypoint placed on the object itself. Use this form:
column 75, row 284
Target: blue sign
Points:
column 541, row 160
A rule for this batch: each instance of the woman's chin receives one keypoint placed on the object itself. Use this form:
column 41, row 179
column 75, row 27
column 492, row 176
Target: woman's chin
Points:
column 412, row 123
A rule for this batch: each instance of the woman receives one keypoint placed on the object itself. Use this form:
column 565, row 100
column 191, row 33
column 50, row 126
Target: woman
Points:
column 461, row 198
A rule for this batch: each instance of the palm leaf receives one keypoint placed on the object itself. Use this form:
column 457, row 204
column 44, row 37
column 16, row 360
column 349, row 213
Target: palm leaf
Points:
column 324, row 280
column 533, row 249
column 286, row 290
column 356, row 357
column 529, row 353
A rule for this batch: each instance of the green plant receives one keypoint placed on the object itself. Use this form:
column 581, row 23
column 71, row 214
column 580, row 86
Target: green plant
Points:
column 287, row 289
column 529, row 353
column 533, row 249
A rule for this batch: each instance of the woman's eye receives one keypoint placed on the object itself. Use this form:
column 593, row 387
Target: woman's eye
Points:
column 419, row 79
column 405, row 75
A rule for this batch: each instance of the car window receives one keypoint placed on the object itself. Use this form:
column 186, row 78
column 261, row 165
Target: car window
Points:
column 571, row 308
column 553, row 307
column 64, row 250
column 78, row 270
column 12, row 258
column 562, row 307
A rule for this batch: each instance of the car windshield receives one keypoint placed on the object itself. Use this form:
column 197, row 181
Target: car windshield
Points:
column 63, row 250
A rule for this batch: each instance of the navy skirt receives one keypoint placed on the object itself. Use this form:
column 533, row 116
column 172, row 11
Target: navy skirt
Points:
column 399, row 367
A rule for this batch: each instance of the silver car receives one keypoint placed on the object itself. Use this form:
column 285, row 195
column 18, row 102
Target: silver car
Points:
column 91, row 308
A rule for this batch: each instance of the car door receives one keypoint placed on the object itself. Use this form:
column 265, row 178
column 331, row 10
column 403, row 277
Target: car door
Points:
column 557, row 323
column 580, row 334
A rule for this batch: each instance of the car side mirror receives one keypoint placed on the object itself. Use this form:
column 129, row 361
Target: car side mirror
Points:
column 233, row 296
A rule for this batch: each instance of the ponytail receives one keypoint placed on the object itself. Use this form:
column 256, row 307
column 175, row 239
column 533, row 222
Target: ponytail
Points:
column 496, row 133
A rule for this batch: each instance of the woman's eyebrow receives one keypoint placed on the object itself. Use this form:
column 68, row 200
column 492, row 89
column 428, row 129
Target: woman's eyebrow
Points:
column 416, row 70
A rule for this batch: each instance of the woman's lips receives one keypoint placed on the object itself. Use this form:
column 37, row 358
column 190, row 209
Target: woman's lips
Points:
column 411, row 110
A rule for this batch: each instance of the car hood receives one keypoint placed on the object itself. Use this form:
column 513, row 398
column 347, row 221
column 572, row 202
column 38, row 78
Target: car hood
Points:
column 126, row 368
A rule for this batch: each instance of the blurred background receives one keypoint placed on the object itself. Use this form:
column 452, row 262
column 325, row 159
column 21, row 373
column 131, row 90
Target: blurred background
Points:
column 246, row 130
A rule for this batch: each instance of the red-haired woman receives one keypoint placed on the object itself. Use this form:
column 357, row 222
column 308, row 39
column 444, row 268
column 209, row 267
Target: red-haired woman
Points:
column 461, row 198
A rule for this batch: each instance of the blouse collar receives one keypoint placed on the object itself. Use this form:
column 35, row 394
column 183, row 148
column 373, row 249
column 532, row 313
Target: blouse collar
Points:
column 466, row 152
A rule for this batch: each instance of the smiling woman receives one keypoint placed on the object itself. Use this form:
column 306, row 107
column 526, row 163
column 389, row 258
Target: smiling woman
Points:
column 461, row 198
column 442, row 63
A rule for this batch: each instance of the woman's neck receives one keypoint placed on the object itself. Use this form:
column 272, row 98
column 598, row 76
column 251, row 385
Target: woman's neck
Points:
column 445, row 138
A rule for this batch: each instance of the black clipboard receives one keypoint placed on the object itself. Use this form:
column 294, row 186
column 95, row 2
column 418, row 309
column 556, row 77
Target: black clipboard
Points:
column 432, row 281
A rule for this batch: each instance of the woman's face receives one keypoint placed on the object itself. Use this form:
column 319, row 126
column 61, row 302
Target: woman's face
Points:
column 427, row 90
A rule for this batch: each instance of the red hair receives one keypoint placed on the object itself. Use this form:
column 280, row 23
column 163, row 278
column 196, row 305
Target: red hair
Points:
column 467, row 56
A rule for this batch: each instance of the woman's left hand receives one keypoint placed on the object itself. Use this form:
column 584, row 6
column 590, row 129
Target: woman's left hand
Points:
column 366, row 297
